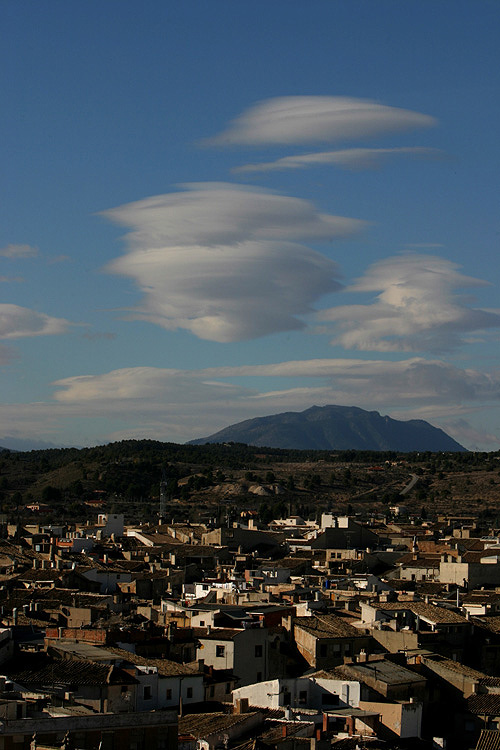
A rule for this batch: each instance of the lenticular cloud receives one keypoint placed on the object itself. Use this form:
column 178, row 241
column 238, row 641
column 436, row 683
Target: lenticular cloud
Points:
column 227, row 262
column 310, row 119
column 417, row 308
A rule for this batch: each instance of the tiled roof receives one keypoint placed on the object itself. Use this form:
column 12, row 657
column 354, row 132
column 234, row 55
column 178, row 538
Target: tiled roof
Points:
column 38, row 574
column 455, row 666
column 67, row 672
column 488, row 704
column 166, row 667
column 480, row 597
column 490, row 682
column 489, row 739
column 491, row 623
column 438, row 615
column 216, row 634
column 327, row 626
column 203, row 725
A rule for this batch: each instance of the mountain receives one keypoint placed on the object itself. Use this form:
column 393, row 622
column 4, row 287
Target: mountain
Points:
column 336, row 428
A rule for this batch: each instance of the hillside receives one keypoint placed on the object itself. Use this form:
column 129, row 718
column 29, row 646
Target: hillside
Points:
column 336, row 428
column 220, row 480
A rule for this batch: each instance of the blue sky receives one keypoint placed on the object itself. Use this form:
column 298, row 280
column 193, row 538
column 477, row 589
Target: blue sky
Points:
column 218, row 210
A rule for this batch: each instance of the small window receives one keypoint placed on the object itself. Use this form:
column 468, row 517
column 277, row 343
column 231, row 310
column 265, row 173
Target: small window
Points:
column 169, row 694
column 202, row 623
column 258, row 651
column 220, row 651
column 323, row 649
column 228, row 687
column 189, row 693
column 259, row 676
column 148, row 693
column 303, row 696
column 212, row 691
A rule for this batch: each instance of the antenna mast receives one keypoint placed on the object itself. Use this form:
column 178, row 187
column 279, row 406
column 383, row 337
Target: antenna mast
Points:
column 163, row 495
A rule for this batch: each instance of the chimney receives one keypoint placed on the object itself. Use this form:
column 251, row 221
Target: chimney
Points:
column 362, row 656
column 201, row 665
column 241, row 706
column 284, row 730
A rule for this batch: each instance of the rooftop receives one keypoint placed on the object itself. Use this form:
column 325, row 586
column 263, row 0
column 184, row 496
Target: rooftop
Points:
column 327, row 626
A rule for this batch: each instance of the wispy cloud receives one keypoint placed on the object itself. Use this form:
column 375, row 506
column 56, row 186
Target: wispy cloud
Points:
column 418, row 307
column 19, row 322
column 173, row 404
column 148, row 396
column 351, row 158
column 226, row 262
column 312, row 119
column 18, row 251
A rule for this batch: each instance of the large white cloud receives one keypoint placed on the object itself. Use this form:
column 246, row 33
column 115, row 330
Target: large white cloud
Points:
column 311, row 119
column 225, row 261
column 19, row 322
column 349, row 158
column 417, row 308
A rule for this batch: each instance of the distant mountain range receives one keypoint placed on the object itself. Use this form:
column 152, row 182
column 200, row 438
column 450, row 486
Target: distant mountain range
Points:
column 336, row 428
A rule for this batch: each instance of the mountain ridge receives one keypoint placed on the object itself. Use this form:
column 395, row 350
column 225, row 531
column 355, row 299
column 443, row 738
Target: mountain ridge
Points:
column 336, row 428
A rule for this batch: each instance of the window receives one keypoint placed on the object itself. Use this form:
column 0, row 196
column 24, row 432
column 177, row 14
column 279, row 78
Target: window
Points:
column 202, row 623
column 220, row 651
column 259, row 676
column 169, row 694
column 228, row 687
column 258, row 651
column 303, row 696
column 148, row 693
column 189, row 693
column 212, row 691
column 323, row 649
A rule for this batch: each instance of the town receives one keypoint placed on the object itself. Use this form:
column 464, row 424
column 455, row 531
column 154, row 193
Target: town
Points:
column 224, row 618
